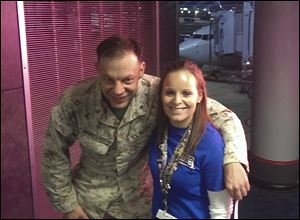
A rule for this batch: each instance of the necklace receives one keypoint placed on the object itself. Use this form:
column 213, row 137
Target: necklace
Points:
column 166, row 170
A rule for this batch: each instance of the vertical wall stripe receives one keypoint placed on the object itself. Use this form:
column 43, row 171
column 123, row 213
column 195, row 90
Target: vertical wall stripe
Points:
column 23, row 45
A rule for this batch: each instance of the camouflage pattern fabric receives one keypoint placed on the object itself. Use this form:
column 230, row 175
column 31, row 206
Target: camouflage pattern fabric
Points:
column 232, row 132
column 113, row 151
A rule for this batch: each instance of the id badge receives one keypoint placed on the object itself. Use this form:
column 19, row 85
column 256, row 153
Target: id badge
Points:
column 187, row 160
column 164, row 215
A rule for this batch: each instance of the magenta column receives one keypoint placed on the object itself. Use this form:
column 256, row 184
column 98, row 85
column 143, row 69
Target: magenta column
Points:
column 274, row 152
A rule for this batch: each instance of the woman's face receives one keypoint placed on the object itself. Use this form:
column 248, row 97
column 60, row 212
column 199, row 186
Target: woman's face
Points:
column 180, row 97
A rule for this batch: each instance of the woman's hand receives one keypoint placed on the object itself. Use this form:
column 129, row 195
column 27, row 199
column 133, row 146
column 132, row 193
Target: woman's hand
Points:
column 146, row 182
column 76, row 213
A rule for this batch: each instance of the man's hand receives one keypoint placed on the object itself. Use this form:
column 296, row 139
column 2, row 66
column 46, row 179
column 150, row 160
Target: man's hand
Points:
column 236, row 180
column 76, row 213
column 146, row 182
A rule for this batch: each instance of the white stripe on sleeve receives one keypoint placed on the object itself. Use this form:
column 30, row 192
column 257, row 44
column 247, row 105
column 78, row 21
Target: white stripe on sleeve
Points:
column 220, row 204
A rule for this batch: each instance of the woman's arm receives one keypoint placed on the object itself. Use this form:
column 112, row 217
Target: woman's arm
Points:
column 220, row 204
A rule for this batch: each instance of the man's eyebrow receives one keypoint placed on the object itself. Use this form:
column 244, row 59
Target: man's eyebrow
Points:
column 119, row 78
column 129, row 76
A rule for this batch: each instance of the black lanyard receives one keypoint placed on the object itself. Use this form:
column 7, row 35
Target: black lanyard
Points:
column 166, row 170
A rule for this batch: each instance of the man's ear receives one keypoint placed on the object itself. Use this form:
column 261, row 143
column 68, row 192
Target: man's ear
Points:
column 142, row 69
column 97, row 65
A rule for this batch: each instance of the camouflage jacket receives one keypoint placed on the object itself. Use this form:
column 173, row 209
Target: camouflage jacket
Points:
column 113, row 151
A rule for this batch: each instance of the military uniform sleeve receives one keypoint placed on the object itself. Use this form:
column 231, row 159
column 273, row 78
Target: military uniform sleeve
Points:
column 232, row 131
column 56, row 166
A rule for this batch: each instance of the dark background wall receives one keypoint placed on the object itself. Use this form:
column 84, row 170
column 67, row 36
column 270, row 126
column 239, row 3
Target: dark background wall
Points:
column 168, row 36
column 16, row 196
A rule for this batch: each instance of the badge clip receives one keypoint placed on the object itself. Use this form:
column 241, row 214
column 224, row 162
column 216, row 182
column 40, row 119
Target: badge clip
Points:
column 164, row 215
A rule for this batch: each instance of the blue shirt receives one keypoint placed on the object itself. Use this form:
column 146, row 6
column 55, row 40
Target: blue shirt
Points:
column 188, row 196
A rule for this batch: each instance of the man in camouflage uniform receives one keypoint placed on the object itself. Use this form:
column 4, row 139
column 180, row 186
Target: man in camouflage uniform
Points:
column 112, row 116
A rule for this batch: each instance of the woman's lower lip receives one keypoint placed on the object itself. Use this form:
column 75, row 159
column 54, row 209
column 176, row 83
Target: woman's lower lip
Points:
column 177, row 109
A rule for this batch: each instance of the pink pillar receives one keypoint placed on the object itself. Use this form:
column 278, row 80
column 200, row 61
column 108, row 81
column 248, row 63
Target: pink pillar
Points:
column 274, row 153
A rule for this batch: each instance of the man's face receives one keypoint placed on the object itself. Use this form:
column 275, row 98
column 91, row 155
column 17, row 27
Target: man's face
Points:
column 119, row 78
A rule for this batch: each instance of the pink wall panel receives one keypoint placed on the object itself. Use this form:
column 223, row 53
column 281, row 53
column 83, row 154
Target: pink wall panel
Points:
column 61, row 38
column 16, row 193
column 17, row 181
column 11, row 68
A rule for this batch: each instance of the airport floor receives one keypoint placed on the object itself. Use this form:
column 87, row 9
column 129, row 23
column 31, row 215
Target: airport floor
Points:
column 260, row 203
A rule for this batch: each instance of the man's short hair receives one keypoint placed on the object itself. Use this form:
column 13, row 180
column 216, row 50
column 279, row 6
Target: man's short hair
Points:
column 116, row 46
